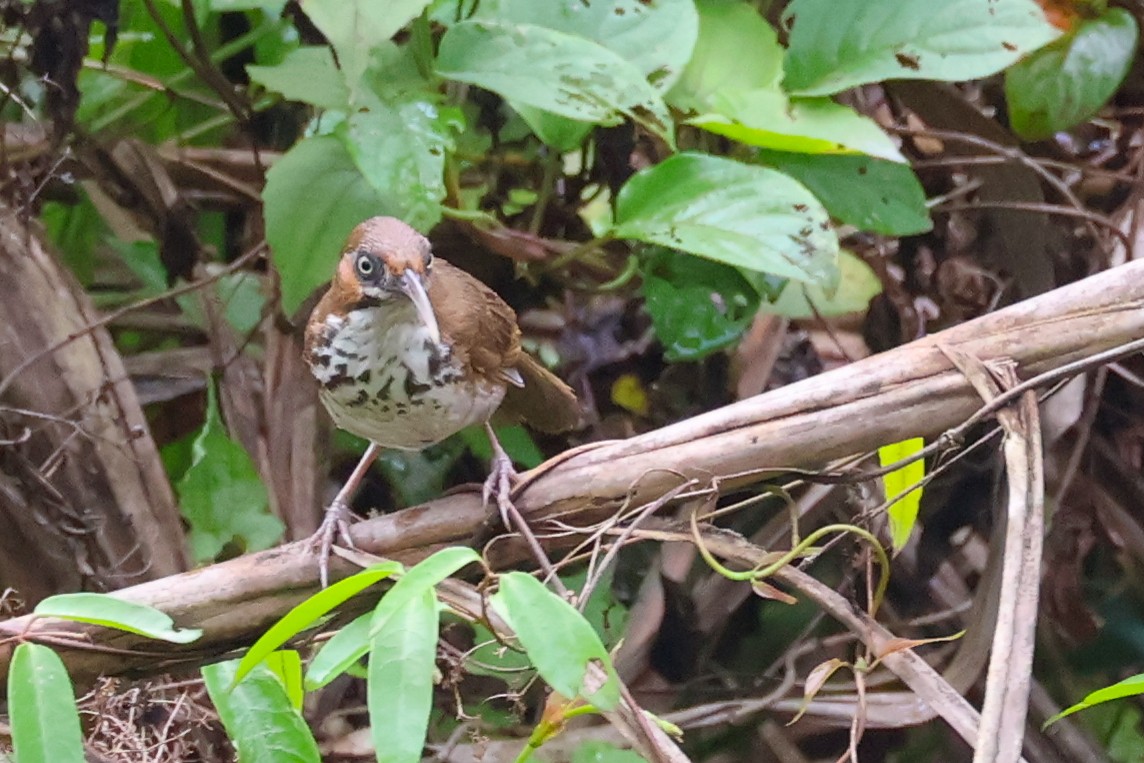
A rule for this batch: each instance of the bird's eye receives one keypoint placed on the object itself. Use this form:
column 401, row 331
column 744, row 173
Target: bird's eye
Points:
column 365, row 265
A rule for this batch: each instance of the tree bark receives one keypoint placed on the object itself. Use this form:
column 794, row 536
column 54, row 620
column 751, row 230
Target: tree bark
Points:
column 84, row 500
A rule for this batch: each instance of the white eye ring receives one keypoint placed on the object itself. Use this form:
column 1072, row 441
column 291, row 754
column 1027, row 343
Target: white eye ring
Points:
column 365, row 265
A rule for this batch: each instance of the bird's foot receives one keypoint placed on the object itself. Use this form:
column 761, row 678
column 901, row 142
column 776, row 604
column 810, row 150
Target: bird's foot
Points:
column 335, row 525
column 502, row 478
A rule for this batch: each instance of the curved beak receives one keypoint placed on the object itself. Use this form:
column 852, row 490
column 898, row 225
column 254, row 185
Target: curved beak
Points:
column 412, row 287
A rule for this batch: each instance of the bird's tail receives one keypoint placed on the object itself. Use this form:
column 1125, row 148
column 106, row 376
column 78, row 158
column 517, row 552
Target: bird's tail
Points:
column 544, row 402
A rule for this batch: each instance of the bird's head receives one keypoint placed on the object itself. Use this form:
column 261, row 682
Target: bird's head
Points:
column 384, row 259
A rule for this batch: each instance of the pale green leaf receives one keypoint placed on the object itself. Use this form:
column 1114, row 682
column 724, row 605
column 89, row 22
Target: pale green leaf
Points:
column 837, row 45
column 557, row 638
column 111, row 612
column 307, row 74
column 1129, row 687
column 857, row 285
column 903, row 512
column 41, row 708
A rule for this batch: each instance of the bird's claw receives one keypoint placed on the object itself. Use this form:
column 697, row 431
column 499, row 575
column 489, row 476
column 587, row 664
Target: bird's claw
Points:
column 335, row 524
column 502, row 477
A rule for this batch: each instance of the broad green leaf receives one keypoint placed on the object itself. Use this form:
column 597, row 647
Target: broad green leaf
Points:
column 870, row 194
column 595, row 751
column 837, row 45
column 1065, row 83
column 221, row 494
column 399, row 146
column 286, row 665
column 566, row 75
column 857, row 285
column 1129, row 687
column 356, row 27
column 656, row 37
column 903, row 512
column 422, row 576
column 561, row 133
column 309, row 612
column 738, row 214
column 314, row 196
column 697, row 306
column 344, row 649
column 559, row 641
column 307, row 74
column 769, row 119
column 260, row 720
column 399, row 689
column 111, row 612
column 41, row 708
column 737, row 51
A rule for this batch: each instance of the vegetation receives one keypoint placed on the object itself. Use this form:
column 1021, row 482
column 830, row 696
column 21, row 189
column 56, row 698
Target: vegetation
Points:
column 688, row 203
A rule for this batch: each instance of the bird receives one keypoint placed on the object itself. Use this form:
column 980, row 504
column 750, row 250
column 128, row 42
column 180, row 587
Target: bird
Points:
column 408, row 350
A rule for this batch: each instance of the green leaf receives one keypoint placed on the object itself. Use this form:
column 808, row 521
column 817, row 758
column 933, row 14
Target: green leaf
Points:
column 355, row 28
column 307, row 74
column 399, row 146
column 561, row 133
column 657, row 38
column 697, row 306
column 557, row 72
column 344, row 649
column 314, row 196
column 399, row 692
column 769, row 119
column 222, row 496
column 1067, row 82
column 559, row 641
column 870, row 194
column 111, row 612
column 260, row 720
column 424, row 575
column 310, row 611
column 737, row 51
column 835, row 45
column 1129, row 687
column 41, row 708
column 903, row 512
column 738, row 214
column 286, row 665
column 857, row 285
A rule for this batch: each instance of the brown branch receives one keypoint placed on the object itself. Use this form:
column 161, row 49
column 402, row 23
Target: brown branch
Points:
column 912, row 390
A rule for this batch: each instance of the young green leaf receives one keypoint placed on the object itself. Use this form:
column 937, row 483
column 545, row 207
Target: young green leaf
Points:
column 772, row 119
column 836, row 46
column 559, row 641
column 222, row 496
column 262, row 723
column 904, row 511
column 286, row 665
column 1065, row 83
column 1129, row 687
column 111, row 612
column 399, row 690
column 730, row 212
column 557, row 72
column 344, row 649
column 41, row 708
column 310, row 611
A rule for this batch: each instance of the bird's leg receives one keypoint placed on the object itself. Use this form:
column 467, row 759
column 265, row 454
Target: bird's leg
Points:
column 337, row 520
column 502, row 476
